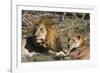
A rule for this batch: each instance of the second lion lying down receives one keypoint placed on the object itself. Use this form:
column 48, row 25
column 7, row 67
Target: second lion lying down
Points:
column 79, row 49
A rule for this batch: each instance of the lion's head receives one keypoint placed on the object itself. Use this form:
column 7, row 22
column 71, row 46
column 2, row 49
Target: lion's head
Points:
column 46, row 35
column 75, row 41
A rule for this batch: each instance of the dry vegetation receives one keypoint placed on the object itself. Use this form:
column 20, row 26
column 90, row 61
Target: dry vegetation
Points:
column 66, row 23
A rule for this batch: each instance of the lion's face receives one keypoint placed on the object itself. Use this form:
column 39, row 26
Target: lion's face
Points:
column 40, row 34
column 75, row 42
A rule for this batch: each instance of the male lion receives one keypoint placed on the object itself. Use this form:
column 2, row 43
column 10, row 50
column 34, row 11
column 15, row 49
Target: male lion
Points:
column 46, row 35
column 78, row 48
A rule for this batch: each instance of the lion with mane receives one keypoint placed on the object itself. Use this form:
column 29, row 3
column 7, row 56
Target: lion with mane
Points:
column 46, row 35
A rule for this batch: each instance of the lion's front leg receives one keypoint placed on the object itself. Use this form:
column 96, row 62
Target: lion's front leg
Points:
column 61, row 53
column 51, row 52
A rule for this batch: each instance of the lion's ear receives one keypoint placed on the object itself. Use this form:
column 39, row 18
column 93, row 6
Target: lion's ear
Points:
column 51, row 22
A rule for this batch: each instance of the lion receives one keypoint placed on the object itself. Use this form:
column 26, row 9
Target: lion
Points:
column 78, row 48
column 47, row 36
column 45, row 40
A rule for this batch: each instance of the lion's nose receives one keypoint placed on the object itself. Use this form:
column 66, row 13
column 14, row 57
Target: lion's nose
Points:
column 36, row 34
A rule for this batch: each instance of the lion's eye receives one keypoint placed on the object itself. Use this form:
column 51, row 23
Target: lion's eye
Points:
column 73, row 40
column 41, row 29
